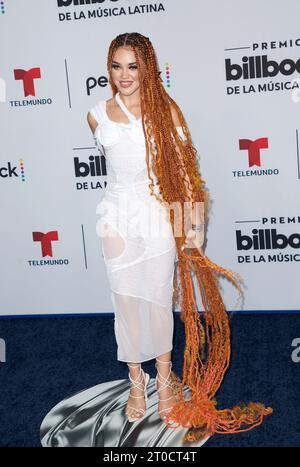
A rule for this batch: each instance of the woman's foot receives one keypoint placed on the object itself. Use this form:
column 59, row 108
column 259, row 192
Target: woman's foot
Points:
column 167, row 398
column 136, row 404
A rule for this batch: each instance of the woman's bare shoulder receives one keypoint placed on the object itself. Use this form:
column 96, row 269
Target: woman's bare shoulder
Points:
column 92, row 122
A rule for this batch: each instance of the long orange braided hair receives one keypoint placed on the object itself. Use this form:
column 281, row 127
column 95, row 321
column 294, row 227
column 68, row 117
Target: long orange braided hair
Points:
column 207, row 334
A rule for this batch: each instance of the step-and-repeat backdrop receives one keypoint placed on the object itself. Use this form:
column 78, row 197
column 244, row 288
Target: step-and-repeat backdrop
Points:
column 233, row 67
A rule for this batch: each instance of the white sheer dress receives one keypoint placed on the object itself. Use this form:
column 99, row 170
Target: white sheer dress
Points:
column 137, row 241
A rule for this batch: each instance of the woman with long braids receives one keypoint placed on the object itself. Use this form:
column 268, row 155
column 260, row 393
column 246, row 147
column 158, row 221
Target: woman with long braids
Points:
column 152, row 216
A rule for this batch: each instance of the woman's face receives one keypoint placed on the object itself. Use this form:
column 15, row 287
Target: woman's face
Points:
column 125, row 72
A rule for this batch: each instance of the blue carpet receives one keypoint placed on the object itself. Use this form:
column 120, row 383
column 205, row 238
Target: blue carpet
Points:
column 50, row 358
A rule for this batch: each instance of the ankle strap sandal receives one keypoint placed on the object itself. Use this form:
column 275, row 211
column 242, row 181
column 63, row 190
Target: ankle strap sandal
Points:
column 140, row 385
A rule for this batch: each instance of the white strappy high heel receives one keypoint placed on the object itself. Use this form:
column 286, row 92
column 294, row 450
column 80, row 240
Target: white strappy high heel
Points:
column 138, row 384
column 166, row 383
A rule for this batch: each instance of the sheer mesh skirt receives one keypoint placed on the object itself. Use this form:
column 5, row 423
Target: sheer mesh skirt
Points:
column 140, row 265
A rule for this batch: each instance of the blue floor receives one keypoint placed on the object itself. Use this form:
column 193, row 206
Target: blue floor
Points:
column 50, row 358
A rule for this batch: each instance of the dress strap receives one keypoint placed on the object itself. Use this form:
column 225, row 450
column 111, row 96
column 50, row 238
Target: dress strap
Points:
column 131, row 117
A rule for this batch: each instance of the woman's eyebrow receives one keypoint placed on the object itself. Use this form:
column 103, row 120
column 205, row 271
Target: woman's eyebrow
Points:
column 132, row 63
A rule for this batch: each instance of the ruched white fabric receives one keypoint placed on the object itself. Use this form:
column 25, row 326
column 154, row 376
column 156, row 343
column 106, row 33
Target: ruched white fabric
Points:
column 137, row 241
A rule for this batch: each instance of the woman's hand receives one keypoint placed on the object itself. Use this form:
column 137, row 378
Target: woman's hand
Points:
column 194, row 239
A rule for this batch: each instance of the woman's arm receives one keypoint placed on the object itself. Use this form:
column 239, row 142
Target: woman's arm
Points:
column 92, row 122
column 195, row 210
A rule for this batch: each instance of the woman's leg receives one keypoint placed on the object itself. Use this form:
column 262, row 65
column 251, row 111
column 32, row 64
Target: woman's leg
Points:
column 163, row 365
column 134, row 400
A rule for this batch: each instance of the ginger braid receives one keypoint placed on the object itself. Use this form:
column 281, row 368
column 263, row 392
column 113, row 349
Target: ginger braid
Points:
column 207, row 333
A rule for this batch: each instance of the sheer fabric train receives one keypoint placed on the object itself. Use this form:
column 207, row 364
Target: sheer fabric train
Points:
column 137, row 241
